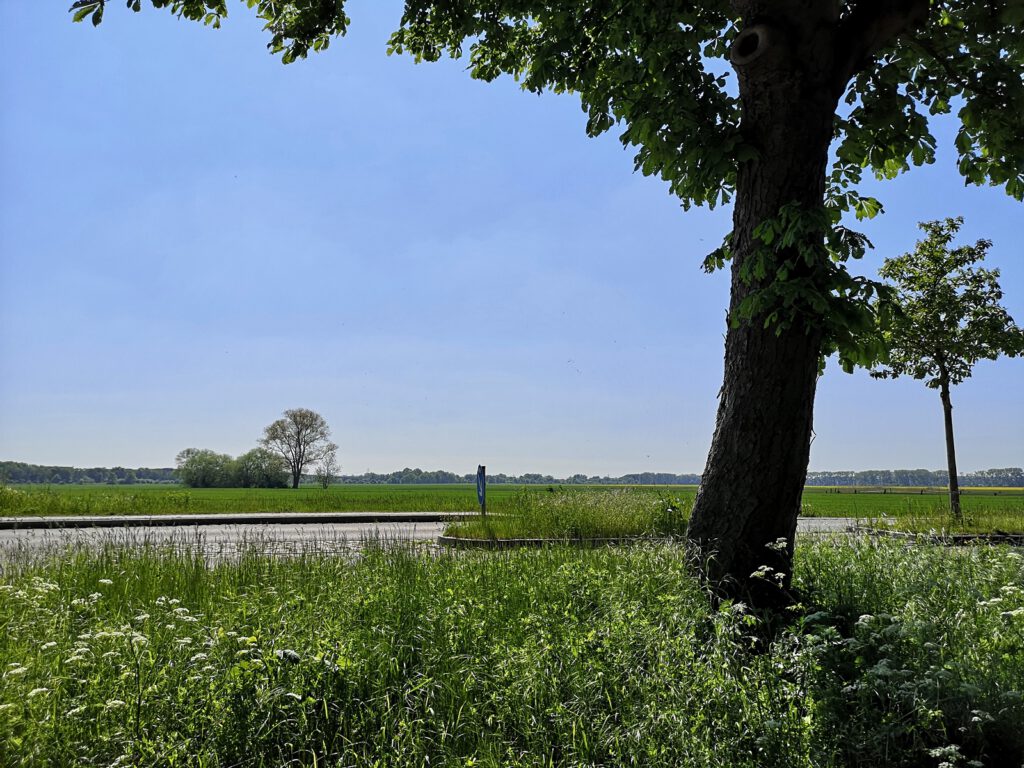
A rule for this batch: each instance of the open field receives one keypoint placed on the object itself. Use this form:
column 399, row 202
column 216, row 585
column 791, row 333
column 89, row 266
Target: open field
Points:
column 636, row 509
column 156, row 500
column 130, row 656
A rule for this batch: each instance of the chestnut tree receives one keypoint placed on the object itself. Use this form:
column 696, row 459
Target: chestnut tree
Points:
column 777, row 106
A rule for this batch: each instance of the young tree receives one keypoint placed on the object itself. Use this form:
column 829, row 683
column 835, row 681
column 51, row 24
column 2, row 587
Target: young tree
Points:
column 948, row 319
column 854, row 78
column 327, row 468
column 300, row 438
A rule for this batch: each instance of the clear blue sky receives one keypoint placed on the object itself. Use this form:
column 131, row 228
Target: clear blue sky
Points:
column 195, row 238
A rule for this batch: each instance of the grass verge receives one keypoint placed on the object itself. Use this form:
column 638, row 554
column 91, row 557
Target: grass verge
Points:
column 987, row 522
column 580, row 514
column 144, row 656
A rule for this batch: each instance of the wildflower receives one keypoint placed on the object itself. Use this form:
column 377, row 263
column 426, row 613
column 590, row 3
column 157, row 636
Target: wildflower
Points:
column 16, row 672
column 37, row 691
column 107, row 582
column 75, row 711
column 47, row 646
column 115, row 704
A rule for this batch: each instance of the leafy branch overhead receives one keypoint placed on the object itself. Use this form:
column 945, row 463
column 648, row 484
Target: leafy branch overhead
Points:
column 660, row 70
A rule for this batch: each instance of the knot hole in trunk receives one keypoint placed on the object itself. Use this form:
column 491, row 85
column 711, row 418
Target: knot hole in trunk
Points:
column 750, row 44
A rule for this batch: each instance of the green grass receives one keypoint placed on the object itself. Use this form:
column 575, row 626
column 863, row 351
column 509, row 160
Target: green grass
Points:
column 157, row 500
column 128, row 656
column 989, row 522
column 587, row 513
column 572, row 513
column 906, row 502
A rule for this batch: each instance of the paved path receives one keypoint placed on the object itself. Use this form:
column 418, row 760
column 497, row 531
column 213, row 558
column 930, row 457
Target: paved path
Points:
column 224, row 518
column 225, row 541
column 283, row 537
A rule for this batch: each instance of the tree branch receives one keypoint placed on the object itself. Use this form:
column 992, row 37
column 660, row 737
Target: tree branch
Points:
column 867, row 28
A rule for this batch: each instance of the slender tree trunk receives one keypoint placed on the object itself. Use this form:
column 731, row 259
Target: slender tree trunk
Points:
column 744, row 517
column 954, row 483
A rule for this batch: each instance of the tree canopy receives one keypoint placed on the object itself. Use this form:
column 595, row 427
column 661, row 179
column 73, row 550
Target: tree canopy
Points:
column 949, row 316
column 300, row 438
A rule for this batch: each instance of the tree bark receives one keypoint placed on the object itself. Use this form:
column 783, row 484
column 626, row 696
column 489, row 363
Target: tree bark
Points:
column 744, row 517
column 954, row 483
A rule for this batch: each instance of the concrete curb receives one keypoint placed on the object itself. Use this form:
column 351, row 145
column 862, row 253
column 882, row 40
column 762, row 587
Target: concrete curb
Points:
column 252, row 518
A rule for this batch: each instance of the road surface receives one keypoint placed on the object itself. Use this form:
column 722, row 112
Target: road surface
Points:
column 226, row 541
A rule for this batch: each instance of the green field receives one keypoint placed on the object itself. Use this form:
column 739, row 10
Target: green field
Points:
column 148, row 657
column 158, row 500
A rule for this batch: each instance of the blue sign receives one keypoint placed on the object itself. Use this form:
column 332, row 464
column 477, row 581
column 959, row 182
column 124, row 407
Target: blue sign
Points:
column 481, row 487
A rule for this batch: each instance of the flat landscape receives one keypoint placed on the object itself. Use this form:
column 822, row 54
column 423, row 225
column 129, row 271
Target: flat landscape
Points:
column 985, row 509
column 163, row 499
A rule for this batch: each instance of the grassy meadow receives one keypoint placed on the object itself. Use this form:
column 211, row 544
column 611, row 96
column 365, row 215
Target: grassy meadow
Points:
column 558, row 657
column 160, row 499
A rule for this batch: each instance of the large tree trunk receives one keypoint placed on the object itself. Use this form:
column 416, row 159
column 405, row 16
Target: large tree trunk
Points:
column 954, row 483
column 744, row 517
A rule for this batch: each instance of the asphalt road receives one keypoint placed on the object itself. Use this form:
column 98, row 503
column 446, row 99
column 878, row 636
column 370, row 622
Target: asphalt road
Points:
column 225, row 541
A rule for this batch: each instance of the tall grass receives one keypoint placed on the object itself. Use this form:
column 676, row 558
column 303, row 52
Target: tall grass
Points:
column 580, row 514
column 145, row 656
column 157, row 500
column 941, row 522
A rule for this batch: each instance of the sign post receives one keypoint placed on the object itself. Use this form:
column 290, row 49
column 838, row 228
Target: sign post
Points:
column 481, row 488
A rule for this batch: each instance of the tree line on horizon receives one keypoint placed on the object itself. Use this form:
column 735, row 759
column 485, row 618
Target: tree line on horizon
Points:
column 245, row 472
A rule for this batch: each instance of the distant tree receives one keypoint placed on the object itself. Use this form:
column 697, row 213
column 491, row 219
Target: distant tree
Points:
column 301, row 438
column 203, row 468
column 327, row 467
column 948, row 318
column 260, row 468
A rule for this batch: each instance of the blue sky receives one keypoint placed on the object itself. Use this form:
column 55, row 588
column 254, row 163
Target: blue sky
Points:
column 194, row 238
